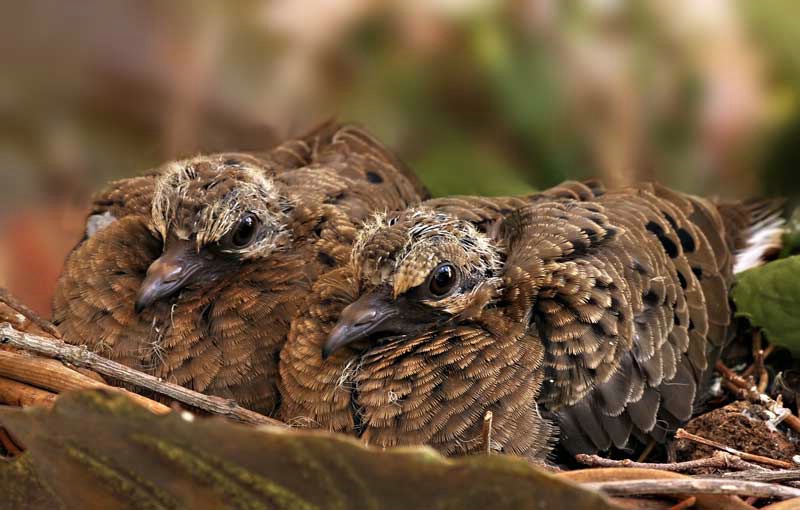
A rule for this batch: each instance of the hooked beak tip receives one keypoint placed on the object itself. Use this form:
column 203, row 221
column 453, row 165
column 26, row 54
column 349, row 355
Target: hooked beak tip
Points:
column 339, row 337
column 168, row 274
column 370, row 314
column 140, row 305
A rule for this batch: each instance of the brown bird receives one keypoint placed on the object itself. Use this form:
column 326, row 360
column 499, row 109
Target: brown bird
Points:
column 194, row 271
column 596, row 314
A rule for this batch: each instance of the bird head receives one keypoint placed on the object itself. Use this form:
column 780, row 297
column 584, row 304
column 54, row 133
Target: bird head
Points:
column 417, row 270
column 213, row 214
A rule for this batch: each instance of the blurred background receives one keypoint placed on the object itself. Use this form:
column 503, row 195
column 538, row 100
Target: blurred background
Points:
column 478, row 96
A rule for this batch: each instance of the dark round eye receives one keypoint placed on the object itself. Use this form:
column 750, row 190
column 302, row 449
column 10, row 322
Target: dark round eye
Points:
column 245, row 231
column 443, row 279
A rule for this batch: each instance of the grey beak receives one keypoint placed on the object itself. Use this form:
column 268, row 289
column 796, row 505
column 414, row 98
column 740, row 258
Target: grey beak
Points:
column 369, row 314
column 169, row 273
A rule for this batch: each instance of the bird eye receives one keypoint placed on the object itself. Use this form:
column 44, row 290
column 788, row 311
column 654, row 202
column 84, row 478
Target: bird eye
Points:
column 245, row 231
column 443, row 279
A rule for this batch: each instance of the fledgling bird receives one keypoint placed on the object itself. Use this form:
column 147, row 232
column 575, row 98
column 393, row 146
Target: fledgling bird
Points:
column 194, row 271
column 592, row 314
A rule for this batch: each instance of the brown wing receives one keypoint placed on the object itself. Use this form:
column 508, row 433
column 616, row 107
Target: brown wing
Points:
column 489, row 213
column 349, row 176
column 633, row 299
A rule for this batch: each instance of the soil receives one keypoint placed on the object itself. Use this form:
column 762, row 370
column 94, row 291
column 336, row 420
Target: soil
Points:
column 740, row 425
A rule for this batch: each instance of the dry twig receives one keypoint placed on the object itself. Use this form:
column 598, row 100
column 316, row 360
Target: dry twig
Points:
column 767, row 353
column 721, row 460
column 758, row 363
column 687, row 486
column 683, row 434
column 647, row 451
column 765, row 475
column 83, row 358
column 747, row 391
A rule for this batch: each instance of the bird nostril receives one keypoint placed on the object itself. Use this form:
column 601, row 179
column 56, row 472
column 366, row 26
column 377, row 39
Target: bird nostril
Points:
column 165, row 274
column 366, row 318
column 173, row 275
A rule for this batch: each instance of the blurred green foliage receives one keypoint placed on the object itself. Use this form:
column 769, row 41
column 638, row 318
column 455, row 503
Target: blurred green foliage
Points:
column 478, row 96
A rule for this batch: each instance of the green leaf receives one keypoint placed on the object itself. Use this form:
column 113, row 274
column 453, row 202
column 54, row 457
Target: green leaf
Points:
column 98, row 450
column 769, row 296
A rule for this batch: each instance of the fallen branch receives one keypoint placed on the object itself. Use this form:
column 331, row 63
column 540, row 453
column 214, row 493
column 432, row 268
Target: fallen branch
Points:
column 683, row 434
column 721, row 460
column 80, row 356
column 687, row 486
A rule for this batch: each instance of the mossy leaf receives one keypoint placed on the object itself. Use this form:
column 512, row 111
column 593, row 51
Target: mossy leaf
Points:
column 98, row 450
column 769, row 296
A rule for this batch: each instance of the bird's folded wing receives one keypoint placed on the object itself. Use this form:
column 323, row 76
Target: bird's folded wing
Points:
column 631, row 298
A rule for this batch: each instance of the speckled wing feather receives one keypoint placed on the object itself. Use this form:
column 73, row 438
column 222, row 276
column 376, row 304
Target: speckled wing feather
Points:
column 633, row 301
column 223, row 337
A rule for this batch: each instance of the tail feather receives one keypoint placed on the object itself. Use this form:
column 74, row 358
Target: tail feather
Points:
column 755, row 231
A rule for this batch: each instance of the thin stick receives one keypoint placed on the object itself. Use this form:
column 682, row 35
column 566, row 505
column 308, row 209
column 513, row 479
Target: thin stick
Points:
column 765, row 475
column 730, row 375
column 689, row 486
column 683, row 434
column 54, row 376
column 720, row 460
column 747, row 391
column 81, row 357
column 487, row 432
column 24, row 317
column 767, row 353
column 647, row 451
column 758, row 364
